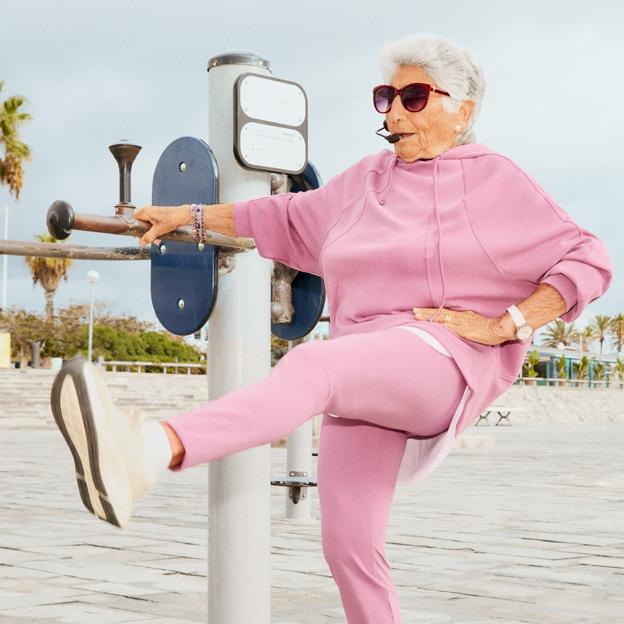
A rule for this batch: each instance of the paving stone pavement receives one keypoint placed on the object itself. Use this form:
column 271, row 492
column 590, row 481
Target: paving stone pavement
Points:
column 526, row 530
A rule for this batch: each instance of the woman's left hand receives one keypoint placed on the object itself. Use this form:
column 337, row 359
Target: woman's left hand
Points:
column 468, row 324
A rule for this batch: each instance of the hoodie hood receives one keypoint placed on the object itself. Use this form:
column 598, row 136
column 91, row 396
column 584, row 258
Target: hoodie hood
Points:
column 469, row 150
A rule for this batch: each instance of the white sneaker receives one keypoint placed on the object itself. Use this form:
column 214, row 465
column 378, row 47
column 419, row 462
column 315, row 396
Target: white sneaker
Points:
column 107, row 446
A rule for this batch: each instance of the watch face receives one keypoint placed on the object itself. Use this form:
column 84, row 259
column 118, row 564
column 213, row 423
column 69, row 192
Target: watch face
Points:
column 524, row 332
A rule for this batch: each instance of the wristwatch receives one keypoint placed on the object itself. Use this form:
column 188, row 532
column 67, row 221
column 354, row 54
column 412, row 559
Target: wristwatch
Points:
column 523, row 329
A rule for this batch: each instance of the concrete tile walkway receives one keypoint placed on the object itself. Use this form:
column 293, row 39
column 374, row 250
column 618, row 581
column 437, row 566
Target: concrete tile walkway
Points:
column 528, row 530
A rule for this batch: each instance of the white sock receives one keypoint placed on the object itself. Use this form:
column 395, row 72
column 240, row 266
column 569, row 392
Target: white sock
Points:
column 158, row 452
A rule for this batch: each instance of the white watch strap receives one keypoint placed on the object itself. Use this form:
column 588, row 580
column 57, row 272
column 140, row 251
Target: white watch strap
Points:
column 516, row 315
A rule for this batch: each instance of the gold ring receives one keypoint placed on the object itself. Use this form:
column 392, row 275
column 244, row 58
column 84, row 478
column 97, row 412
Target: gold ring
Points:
column 447, row 318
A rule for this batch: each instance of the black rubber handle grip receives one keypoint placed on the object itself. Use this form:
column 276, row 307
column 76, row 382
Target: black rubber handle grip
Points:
column 60, row 219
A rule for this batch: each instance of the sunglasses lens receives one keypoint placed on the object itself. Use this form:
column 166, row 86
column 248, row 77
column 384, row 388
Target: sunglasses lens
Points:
column 382, row 98
column 415, row 98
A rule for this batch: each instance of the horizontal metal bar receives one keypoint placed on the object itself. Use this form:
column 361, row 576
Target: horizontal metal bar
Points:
column 119, row 225
column 79, row 252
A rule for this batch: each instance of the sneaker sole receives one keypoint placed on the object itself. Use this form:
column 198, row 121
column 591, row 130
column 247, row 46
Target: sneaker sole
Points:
column 80, row 423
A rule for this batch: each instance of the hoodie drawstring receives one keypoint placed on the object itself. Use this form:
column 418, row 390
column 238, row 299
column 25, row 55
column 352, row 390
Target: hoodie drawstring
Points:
column 435, row 208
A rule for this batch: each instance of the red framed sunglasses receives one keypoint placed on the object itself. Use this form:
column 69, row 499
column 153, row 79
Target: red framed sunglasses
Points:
column 414, row 96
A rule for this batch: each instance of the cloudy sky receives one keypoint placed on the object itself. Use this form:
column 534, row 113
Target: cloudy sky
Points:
column 96, row 72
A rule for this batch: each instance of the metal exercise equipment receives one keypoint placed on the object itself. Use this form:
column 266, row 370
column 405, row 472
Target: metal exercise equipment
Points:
column 298, row 298
column 187, row 173
column 296, row 483
column 258, row 137
column 62, row 220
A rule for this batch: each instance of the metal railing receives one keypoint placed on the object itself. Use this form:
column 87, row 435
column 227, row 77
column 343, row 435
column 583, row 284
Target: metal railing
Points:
column 141, row 367
column 571, row 383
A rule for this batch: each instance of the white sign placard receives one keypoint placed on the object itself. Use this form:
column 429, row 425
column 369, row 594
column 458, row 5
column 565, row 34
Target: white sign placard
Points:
column 272, row 147
column 271, row 124
column 273, row 101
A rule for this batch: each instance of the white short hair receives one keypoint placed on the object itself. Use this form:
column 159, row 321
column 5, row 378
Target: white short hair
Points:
column 451, row 67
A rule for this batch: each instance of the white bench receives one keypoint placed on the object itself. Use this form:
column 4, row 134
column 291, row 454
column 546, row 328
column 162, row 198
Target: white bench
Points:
column 502, row 411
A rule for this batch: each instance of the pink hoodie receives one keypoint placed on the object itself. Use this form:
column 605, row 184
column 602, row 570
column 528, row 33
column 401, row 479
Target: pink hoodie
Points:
column 467, row 230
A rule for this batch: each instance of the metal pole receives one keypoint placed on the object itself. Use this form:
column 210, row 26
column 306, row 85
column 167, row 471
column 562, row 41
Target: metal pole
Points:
column 91, row 323
column 62, row 220
column 239, row 352
column 93, row 277
column 299, row 464
column 79, row 252
column 5, row 265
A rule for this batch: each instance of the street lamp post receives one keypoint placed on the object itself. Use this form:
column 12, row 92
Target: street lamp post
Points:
column 93, row 277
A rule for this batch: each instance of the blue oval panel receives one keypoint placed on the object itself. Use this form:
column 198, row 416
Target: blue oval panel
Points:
column 186, row 173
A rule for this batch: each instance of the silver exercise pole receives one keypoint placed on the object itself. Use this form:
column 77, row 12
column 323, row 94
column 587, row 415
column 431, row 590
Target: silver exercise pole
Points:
column 239, row 352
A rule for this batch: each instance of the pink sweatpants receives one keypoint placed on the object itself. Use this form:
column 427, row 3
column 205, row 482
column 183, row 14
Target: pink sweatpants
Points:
column 382, row 386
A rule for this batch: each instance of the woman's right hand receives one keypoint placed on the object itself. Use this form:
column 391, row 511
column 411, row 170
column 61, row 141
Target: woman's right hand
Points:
column 164, row 219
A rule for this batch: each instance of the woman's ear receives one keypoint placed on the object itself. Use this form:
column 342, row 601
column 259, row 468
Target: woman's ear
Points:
column 465, row 111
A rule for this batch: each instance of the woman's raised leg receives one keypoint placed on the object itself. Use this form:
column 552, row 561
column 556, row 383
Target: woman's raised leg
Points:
column 390, row 378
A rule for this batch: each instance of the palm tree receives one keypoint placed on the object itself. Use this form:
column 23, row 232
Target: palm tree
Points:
column 601, row 325
column 619, row 369
column 531, row 361
column 584, row 336
column 600, row 369
column 562, row 370
column 48, row 271
column 559, row 332
column 15, row 152
column 581, row 368
column 617, row 331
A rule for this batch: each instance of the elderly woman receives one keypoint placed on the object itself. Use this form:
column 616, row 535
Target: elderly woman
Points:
column 440, row 260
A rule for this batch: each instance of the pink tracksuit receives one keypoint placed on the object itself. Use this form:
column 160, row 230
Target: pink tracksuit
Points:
column 467, row 230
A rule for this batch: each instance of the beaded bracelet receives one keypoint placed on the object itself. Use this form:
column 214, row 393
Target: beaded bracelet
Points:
column 199, row 231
